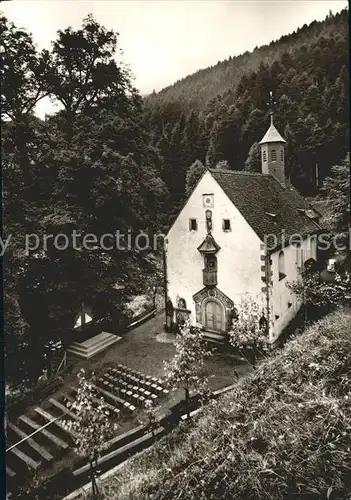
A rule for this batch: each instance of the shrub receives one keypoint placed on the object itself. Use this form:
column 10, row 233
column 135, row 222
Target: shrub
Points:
column 248, row 335
column 323, row 296
column 93, row 427
column 186, row 368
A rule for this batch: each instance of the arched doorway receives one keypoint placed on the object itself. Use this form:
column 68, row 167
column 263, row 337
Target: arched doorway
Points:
column 213, row 313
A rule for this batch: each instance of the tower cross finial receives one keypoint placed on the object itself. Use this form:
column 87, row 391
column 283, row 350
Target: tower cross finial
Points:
column 271, row 104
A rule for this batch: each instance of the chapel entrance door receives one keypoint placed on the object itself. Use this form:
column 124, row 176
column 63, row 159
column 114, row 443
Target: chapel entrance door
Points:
column 214, row 317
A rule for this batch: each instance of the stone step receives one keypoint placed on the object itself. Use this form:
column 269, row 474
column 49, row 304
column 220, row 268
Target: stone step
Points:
column 63, row 408
column 93, row 346
column 68, row 398
column 215, row 337
column 50, row 418
column 126, row 436
column 123, row 450
column 85, row 353
column 56, row 440
column 25, row 458
column 30, row 441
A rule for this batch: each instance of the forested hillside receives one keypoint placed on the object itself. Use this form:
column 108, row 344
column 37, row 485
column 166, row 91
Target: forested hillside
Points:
column 220, row 113
column 197, row 89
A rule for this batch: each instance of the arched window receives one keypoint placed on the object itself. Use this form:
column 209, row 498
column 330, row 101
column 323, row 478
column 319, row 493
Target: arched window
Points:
column 282, row 154
column 210, row 263
column 264, row 155
column 181, row 304
column 299, row 256
column 169, row 308
column 274, row 155
column 263, row 324
column 182, row 315
column 281, row 266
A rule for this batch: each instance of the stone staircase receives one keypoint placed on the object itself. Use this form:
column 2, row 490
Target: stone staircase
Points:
column 215, row 338
column 37, row 439
column 93, row 346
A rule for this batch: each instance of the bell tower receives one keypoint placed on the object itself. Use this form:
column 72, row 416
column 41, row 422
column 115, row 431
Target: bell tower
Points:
column 272, row 149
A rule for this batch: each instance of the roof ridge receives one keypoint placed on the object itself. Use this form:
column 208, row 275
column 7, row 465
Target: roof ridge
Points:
column 237, row 172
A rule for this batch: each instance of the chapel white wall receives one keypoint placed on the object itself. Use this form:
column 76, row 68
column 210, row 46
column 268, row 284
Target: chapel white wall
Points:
column 281, row 295
column 239, row 263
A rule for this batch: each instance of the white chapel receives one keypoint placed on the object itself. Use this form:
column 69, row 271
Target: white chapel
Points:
column 235, row 236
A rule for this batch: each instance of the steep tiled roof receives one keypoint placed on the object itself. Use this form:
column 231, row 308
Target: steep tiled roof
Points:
column 272, row 135
column 266, row 205
column 322, row 206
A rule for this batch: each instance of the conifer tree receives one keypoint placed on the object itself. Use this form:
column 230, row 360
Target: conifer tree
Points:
column 336, row 190
column 193, row 175
column 253, row 160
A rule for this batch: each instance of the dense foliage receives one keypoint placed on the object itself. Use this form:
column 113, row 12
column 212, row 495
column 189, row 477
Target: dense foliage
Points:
column 323, row 291
column 321, row 296
column 186, row 369
column 336, row 190
column 92, row 427
column 220, row 113
column 283, row 432
column 88, row 169
column 248, row 333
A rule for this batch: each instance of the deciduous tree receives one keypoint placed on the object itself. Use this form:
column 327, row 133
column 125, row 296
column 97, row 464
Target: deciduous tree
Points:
column 93, row 426
column 186, row 368
column 83, row 73
column 22, row 72
column 249, row 331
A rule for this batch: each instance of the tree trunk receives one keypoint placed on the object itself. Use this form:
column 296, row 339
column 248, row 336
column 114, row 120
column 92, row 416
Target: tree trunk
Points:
column 186, row 389
column 154, row 295
column 49, row 362
column 94, row 488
